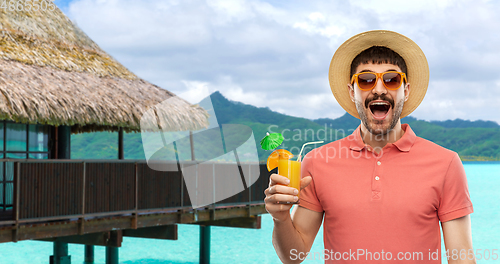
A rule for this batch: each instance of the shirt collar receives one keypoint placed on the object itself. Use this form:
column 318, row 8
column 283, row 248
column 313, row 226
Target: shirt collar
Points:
column 403, row 144
column 406, row 141
column 356, row 140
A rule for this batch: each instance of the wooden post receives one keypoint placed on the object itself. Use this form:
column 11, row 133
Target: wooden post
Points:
column 112, row 252
column 111, row 255
column 191, row 143
column 89, row 254
column 120, row 144
column 63, row 151
column 15, row 235
column 204, row 244
column 60, row 254
column 63, row 142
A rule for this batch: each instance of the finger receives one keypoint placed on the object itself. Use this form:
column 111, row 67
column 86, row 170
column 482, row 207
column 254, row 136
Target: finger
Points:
column 278, row 179
column 305, row 181
column 281, row 198
column 282, row 189
column 278, row 207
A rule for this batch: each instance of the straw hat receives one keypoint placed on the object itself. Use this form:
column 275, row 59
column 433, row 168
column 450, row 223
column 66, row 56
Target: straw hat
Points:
column 340, row 67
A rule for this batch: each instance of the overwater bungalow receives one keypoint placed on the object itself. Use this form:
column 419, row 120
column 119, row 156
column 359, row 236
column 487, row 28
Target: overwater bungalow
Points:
column 54, row 82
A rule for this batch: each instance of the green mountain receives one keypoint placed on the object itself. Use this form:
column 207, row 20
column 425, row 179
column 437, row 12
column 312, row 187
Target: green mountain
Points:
column 473, row 140
column 460, row 123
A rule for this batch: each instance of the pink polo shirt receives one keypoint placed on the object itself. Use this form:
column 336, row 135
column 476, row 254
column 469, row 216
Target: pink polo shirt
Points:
column 385, row 206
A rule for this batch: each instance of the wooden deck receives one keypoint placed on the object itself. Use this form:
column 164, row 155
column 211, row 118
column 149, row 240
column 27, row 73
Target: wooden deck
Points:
column 77, row 198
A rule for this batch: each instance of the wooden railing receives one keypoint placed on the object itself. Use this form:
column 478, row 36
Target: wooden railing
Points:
column 48, row 190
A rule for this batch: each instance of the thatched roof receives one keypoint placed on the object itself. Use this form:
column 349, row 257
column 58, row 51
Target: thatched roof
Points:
column 52, row 73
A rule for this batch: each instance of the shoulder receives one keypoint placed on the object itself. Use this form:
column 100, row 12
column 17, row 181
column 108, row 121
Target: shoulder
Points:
column 424, row 146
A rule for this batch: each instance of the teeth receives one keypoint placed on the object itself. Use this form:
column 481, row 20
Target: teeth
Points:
column 379, row 103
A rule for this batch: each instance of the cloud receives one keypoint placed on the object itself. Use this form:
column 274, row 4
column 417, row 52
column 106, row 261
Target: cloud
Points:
column 462, row 99
column 277, row 54
column 195, row 91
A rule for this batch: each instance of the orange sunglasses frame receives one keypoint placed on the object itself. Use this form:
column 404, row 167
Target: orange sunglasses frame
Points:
column 378, row 76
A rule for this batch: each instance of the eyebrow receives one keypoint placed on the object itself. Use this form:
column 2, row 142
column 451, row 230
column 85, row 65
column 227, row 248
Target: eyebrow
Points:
column 373, row 71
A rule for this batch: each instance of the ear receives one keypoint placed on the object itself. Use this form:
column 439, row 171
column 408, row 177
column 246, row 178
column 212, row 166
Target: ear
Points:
column 407, row 91
column 351, row 91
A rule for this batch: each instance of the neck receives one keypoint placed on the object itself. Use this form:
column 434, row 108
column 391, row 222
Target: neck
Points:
column 377, row 142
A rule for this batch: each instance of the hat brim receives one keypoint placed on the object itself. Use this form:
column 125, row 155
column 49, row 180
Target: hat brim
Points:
column 417, row 74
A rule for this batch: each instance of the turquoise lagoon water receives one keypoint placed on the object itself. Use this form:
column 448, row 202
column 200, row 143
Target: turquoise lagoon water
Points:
column 235, row 245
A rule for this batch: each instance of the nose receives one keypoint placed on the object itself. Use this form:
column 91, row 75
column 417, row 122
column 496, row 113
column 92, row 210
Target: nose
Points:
column 379, row 87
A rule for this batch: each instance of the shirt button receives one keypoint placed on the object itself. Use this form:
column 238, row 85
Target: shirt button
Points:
column 377, row 178
column 378, row 163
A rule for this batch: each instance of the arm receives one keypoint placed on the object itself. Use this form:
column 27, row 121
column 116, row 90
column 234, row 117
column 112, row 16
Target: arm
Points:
column 294, row 235
column 457, row 235
column 293, row 239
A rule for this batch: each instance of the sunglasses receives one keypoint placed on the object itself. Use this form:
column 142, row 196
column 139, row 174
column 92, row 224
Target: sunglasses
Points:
column 366, row 81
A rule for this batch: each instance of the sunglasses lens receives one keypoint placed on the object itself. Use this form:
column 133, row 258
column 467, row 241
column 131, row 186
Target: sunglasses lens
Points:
column 366, row 81
column 392, row 80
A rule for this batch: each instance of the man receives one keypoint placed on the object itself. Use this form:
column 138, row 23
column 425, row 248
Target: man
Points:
column 381, row 191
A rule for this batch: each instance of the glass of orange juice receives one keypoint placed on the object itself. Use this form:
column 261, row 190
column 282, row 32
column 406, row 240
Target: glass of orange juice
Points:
column 287, row 167
column 290, row 169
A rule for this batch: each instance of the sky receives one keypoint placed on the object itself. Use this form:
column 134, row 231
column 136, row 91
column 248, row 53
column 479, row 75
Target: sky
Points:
column 276, row 54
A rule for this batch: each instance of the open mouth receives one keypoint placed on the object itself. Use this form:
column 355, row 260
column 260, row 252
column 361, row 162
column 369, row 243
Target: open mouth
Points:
column 379, row 109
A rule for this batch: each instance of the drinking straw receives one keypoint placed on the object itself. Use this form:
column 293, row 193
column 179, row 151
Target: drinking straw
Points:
column 308, row 143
